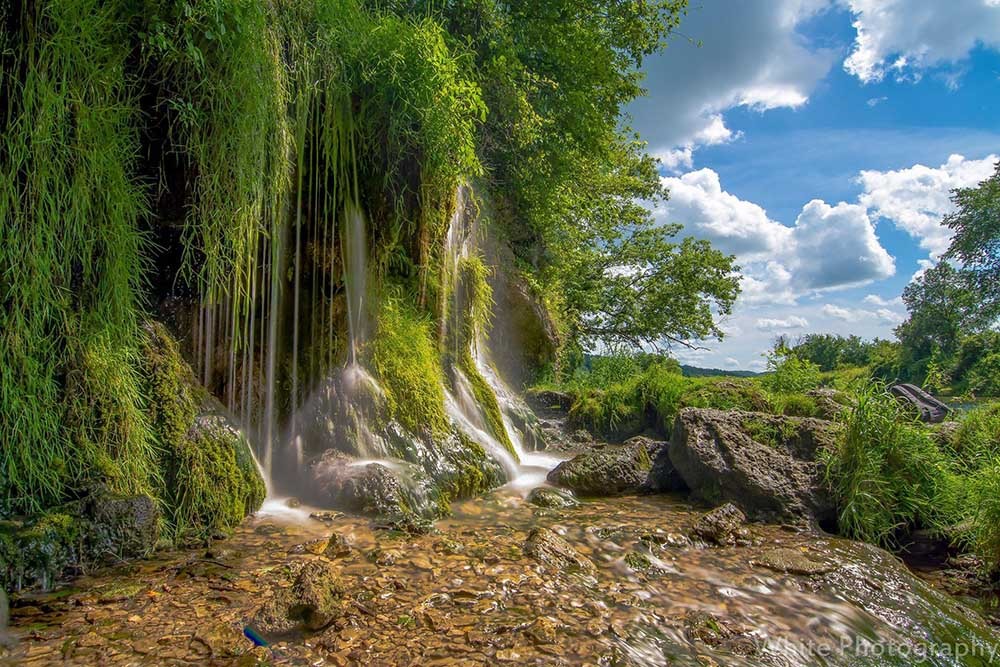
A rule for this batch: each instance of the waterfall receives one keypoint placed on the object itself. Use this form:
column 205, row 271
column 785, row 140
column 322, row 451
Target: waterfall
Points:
column 525, row 470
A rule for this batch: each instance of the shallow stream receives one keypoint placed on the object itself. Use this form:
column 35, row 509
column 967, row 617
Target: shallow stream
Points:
column 468, row 594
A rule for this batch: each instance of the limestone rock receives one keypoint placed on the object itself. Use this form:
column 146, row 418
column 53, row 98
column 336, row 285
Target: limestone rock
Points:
column 765, row 464
column 793, row 561
column 608, row 469
column 122, row 526
column 310, row 604
column 545, row 496
column 723, row 526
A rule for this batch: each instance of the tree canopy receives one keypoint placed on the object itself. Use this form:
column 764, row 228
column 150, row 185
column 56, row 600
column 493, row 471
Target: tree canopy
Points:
column 976, row 243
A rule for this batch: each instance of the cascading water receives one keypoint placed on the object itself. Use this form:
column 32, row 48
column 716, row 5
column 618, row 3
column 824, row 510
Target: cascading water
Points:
column 300, row 390
column 464, row 339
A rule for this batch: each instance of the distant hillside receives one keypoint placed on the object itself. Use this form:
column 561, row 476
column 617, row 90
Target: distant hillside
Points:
column 694, row 372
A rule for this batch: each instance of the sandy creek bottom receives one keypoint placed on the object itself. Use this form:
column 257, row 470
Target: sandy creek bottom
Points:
column 467, row 594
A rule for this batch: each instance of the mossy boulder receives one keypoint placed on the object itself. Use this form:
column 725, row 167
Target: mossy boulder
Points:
column 608, row 469
column 311, row 603
column 399, row 495
column 36, row 554
column 122, row 527
column 211, row 482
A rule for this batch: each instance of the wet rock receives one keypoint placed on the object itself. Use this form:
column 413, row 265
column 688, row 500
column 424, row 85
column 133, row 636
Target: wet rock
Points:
column 721, row 633
column 876, row 581
column 555, row 553
column 723, row 526
column 325, row 516
column 609, row 469
column 122, row 526
column 312, row 603
column 208, row 463
column 793, row 561
column 544, row 400
column 765, row 464
column 545, row 496
column 372, row 489
column 293, row 503
column 337, row 547
column 542, row 630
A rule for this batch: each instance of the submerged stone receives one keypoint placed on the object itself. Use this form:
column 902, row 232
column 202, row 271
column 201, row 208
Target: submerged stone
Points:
column 793, row 561
column 546, row 496
column 555, row 553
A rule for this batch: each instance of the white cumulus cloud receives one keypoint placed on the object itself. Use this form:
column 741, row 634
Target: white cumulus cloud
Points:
column 828, row 247
column 782, row 324
column 747, row 53
column 903, row 37
column 915, row 199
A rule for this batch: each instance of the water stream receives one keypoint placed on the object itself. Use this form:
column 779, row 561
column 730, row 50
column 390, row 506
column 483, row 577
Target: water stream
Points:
column 470, row 594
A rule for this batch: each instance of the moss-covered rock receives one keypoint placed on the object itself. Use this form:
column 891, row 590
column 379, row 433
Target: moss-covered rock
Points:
column 38, row 553
column 210, row 479
column 122, row 527
column 608, row 469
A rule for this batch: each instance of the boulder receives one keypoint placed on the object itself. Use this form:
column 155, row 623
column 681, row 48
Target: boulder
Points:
column 766, row 465
column 723, row 526
column 829, row 402
column 546, row 496
column 608, row 469
column 548, row 400
column 122, row 526
column 555, row 553
column 311, row 603
column 372, row 489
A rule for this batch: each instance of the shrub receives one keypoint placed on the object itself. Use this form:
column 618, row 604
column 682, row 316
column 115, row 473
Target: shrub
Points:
column 983, row 378
column 789, row 374
column 984, row 498
column 977, row 440
column 888, row 474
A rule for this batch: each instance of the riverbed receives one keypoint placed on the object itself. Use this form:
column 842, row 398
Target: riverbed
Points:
column 467, row 594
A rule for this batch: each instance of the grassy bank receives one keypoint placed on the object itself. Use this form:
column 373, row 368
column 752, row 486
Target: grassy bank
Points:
column 891, row 474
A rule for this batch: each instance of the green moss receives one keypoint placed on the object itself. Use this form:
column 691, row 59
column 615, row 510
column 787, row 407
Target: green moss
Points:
column 39, row 553
column 210, row 479
column 473, row 473
column 209, row 491
column 404, row 357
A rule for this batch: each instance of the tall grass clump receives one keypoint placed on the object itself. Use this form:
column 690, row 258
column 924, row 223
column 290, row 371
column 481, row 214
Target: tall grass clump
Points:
column 71, row 256
column 888, row 474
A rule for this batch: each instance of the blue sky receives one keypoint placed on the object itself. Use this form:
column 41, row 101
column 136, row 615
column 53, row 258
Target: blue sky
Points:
column 818, row 141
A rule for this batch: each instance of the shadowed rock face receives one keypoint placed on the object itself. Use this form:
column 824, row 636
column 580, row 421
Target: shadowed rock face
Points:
column 764, row 464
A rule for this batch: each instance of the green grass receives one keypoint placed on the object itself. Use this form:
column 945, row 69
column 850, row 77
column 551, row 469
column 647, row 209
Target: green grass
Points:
column 888, row 473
